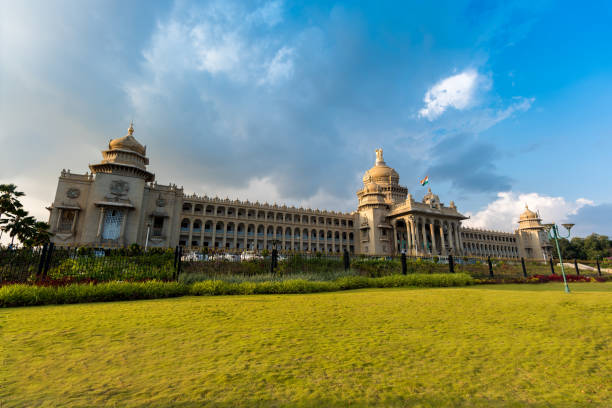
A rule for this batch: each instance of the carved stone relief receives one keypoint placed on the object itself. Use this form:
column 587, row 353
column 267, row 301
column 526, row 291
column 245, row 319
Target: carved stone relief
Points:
column 73, row 193
column 119, row 187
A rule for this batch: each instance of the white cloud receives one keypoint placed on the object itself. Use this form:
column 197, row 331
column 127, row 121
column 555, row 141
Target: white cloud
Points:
column 490, row 117
column 457, row 91
column 280, row 68
column 218, row 39
column 270, row 13
column 503, row 213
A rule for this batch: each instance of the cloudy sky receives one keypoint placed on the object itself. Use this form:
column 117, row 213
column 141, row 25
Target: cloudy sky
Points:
column 501, row 105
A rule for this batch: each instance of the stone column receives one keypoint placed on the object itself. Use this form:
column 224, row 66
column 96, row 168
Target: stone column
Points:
column 451, row 241
column 190, row 232
column 122, row 230
column 424, row 234
column 214, row 233
column 265, row 237
column 458, row 239
column 74, row 222
column 442, row 243
column 59, row 218
column 434, row 247
column 101, row 223
column 408, row 235
column 414, row 238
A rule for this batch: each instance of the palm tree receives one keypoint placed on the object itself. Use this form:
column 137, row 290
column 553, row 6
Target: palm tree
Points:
column 9, row 203
column 36, row 235
column 8, row 199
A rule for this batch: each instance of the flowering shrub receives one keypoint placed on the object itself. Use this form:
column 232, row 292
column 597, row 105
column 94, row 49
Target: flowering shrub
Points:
column 570, row 278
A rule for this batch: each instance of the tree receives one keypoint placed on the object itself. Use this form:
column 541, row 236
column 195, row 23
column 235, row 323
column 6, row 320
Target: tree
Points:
column 37, row 235
column 596, row 246
column 592, row 247
column 9, row 202
column 17, row 222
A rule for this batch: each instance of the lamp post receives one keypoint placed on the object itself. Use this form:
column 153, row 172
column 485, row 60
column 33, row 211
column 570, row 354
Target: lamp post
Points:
column 553, row 233
column 147, row 239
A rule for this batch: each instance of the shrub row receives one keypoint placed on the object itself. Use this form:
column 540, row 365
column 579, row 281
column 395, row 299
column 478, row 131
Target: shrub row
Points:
column 345, row 283
column 26, row 295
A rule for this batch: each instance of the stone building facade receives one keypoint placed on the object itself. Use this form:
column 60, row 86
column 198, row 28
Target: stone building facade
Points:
column 120, row 203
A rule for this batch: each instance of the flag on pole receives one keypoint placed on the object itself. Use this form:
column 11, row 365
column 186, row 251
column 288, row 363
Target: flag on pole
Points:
column 425, row 180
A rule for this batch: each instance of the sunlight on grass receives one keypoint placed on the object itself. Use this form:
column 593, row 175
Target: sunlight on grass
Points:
column 496, row 345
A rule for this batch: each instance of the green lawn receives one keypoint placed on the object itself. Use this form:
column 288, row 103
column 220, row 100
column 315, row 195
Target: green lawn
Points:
column 497, row 345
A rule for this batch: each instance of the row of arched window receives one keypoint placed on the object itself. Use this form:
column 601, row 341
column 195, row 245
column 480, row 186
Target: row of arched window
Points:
column 483, row 237
column 249, row 213
column 197, row 227
column 481, row 249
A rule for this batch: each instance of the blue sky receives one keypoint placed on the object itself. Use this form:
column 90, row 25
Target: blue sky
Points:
column 501, row 104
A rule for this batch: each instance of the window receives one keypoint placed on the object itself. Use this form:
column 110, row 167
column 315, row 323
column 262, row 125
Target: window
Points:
column 158, row 225
column 66, row 220
column 112, row 224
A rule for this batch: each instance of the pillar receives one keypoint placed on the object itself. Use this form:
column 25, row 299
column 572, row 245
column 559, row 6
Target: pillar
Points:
column 424, row 234
column 101, row 223
column 451, row 241
column 434, row 248
column 442, row 243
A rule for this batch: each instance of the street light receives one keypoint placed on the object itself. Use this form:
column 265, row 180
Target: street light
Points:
column 147, row 239
column 553, row 233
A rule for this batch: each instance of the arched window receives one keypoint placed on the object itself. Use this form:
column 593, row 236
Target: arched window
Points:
column 219, row 228
column 187, row 207
column 185, row 225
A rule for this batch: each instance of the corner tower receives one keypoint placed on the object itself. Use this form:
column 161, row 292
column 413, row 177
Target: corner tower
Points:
column 106, row 206
column 533, row 238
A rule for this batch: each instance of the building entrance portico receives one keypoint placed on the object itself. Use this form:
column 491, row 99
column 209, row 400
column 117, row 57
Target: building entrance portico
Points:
column 421, row 235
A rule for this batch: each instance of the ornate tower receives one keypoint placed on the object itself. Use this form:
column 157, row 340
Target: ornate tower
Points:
column 380, row 191
column 533, row 238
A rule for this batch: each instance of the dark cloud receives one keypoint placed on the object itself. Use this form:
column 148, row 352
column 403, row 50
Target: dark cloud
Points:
column 593, row 219
column 468, row 164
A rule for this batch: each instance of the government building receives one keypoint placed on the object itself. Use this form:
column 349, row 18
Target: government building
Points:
column 119, row 203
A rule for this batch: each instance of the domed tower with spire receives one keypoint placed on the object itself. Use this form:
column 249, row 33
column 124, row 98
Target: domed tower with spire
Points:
column 533, row 237
column 381, row 190
column 118, row 204
column 125, row 156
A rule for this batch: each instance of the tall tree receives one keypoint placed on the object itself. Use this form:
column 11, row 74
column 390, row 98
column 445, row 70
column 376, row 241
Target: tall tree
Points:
column 9, row 199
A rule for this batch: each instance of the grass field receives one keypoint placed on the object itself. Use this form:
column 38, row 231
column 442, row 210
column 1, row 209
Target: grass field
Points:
column 496, row 345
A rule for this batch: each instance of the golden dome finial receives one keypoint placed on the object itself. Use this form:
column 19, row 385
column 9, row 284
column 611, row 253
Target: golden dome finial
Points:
column 131, row 128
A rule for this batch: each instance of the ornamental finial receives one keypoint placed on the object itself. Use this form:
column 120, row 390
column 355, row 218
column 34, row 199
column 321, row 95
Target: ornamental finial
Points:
column 379, row 156
column 131, row 128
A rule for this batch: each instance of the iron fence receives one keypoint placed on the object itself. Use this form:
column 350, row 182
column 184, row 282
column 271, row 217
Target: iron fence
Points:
column 104, row 264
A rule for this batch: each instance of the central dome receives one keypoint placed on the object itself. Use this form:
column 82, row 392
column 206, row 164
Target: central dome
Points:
column 528, row 214
column 380, row 171
column 127, row 142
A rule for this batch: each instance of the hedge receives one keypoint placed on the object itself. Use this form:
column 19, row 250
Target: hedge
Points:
column 27, row 295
